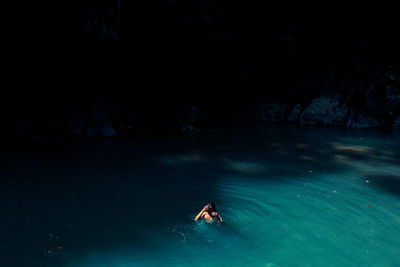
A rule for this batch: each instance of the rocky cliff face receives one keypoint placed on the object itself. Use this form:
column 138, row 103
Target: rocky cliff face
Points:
column 325, row 110
column 353, row 101
column 132, row 68
column 363, row 99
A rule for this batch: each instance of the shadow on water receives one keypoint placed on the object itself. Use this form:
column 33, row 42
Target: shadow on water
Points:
column 385, row 182
column 104, row 196
column 289, row 153
column 42, row 217
column 98, row 199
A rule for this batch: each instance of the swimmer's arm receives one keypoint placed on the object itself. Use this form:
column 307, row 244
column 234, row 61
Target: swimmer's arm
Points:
column 220, row 219
column 199, row 215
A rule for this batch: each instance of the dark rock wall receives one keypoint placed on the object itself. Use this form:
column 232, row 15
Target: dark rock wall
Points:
column 116, row 67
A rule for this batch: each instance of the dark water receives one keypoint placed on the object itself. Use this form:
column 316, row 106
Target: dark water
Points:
column 289, row 197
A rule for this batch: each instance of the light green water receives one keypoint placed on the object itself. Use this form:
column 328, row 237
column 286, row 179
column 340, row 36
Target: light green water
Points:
column 289, row 197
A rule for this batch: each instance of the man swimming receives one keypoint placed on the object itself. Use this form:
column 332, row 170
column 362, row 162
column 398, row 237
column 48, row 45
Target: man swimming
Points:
column 209, row 213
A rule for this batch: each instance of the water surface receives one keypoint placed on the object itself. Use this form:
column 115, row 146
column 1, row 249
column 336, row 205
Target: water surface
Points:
column 289, row 197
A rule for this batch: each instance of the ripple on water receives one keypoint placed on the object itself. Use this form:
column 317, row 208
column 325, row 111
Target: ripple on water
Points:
column 290, row 203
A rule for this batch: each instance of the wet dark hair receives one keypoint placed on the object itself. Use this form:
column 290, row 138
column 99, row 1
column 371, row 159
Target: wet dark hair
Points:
column 212, row 204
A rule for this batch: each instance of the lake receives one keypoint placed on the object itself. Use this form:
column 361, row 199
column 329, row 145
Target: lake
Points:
column 289, row 196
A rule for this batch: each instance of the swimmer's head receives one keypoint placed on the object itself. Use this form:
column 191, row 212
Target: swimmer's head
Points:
column 212, row 204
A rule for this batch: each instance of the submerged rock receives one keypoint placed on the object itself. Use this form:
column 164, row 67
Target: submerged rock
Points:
column 363, row 121
column 325, row 110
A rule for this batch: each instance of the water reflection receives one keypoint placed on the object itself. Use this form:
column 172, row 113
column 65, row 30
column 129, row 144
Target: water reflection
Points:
column 245, row 167
column 356, row 149
column 189, row 158
column 306, row 158
column 300, row 145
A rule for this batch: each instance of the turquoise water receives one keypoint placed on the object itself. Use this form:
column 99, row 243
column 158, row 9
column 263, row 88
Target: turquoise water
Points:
column 288, row 196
